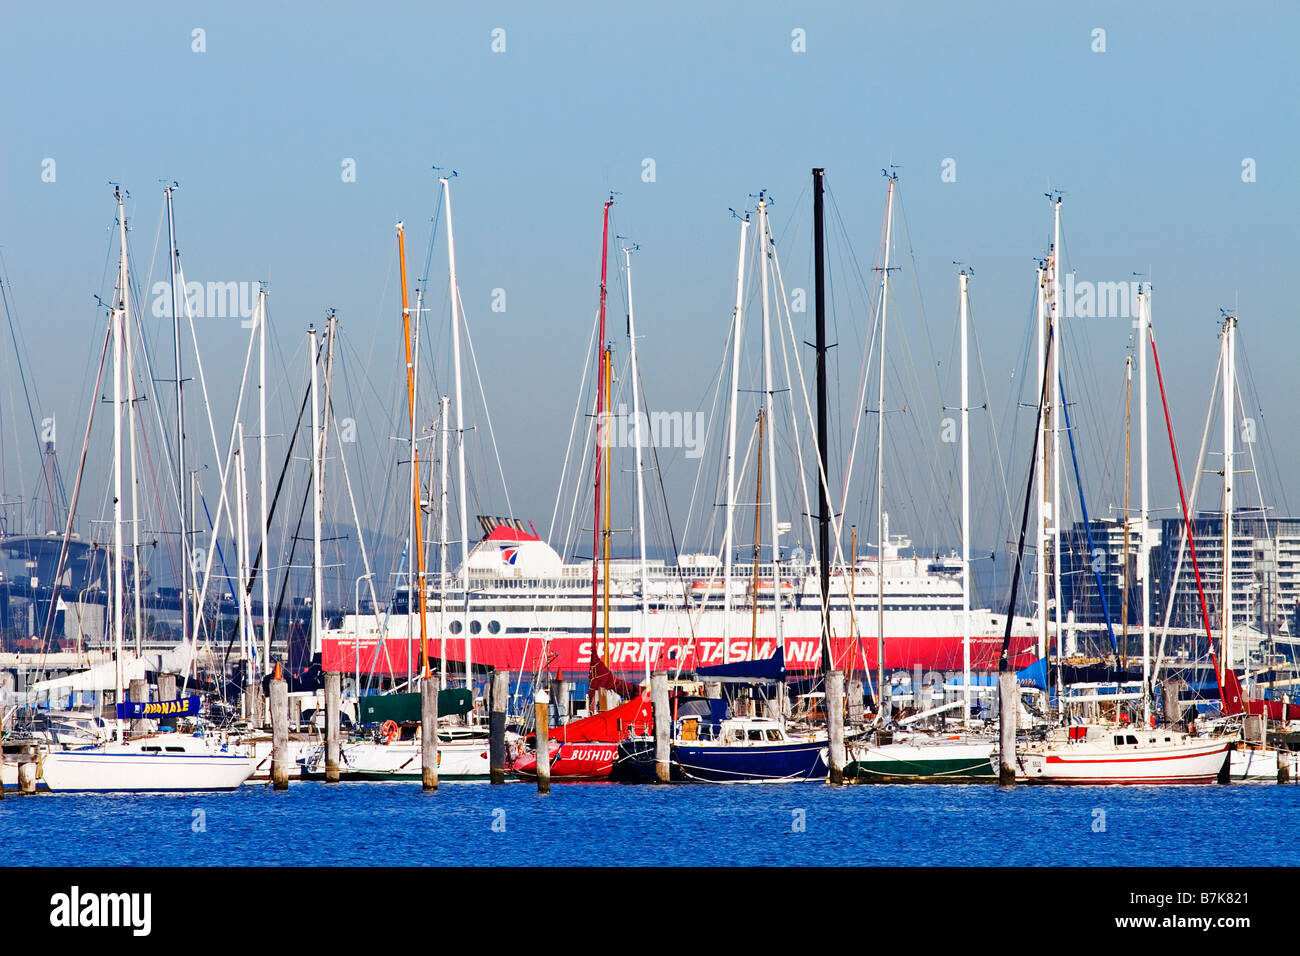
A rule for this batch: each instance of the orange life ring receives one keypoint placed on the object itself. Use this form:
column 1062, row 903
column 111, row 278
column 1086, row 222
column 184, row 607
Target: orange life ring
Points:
column 389, row 731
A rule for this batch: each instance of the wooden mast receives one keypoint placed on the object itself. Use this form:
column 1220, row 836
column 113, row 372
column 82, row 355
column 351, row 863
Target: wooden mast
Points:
column 417, row 544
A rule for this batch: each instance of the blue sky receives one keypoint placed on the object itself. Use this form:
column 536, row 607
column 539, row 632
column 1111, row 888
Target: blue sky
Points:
column 1147, row 140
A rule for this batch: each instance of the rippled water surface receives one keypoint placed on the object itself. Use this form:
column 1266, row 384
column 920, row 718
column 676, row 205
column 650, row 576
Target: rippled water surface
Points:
column 609, row 824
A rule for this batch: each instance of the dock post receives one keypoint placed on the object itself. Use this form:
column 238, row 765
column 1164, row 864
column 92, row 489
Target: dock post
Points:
column 663, row 721
column 1008, row 710
column 497, row 726
column 139, row 692
column 835, row 725
column 1283, row 767
column 26, row 774
column 166, row 686
column 561, row 701
column 256, row 706
column 1170, row 691
column 429, row 732
column 295, row 712
column 280, row 734
column 854, row 696
column 332, row 690
column 6, row 695
column 542, row 713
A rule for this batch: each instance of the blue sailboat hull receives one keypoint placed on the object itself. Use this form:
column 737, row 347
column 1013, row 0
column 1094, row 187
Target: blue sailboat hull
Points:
column 717, row 763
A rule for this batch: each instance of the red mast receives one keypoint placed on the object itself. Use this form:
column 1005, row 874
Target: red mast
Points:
column 600, row 428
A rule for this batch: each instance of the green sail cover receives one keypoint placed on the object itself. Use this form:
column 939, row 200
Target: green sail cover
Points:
column 377, row 708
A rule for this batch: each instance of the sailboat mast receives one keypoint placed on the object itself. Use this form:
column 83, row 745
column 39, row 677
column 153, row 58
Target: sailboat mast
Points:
column 758, row 526
column 173, row 259
column 241, row 555
column 1057, row 332
column 605, row 532
column 881, row 530
column 416, row 538
column 415, row 547
column 261, row 478
column 965, row 503
column 640, row 479
column 461, row 485
column 823, row 419
column 601, row 437
column 1040, row 528
column 128, row 335
column 737, row 327
column 765, row 240
column 118, row 575
column 1128, row 421
column 1229, row 455
column 1144, row 553
column 317, row 585
column 443, row 416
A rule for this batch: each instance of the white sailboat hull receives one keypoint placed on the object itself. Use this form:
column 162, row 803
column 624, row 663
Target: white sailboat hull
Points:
column 1261, row 763
column 129, row 767
column 1158, row 759
column 401, row 760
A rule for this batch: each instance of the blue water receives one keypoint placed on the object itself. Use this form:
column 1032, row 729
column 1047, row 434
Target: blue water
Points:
column 610, row 824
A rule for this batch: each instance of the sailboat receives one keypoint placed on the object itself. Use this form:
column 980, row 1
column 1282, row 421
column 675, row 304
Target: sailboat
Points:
column 1089, row 748
column 393, row 750
column 922, row 756
column 156, row 762
column 1250, row 759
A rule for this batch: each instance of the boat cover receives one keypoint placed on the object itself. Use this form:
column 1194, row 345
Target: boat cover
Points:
column 633, row 717
column 377, row 708
column 772, row 669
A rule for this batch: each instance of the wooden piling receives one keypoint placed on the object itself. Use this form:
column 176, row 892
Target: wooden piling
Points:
column 280, row 735
column 139, row 694
column 497, row 726
column 561, row 701
column 835, row 725
column 542, row 714
column 1252, row 729
column 295, row 712
column 332, row 693
column 166, row 686
column 429, row 732
column 1171, row 691
column 663, row 722
column 256, row 706
column 26, row 774
column 854, row 699
column 1008, row 711
column 6, row 697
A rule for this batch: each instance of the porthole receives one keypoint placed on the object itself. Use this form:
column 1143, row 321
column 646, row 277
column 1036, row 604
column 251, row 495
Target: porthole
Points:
column 475, row 627
column 494, row 627
column 454, row 627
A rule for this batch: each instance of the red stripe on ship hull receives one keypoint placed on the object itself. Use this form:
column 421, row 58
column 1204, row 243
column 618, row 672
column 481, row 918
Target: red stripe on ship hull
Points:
column 1073, row 761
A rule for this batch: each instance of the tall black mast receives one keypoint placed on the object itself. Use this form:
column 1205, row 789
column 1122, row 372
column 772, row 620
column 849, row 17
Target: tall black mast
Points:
column 823, row 426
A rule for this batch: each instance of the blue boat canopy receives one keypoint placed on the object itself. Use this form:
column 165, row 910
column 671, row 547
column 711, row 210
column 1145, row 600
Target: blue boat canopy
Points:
column 1035, row 675
column 772, row 669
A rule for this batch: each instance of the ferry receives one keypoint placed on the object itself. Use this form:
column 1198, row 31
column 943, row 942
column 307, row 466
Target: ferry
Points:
column 530, row 610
